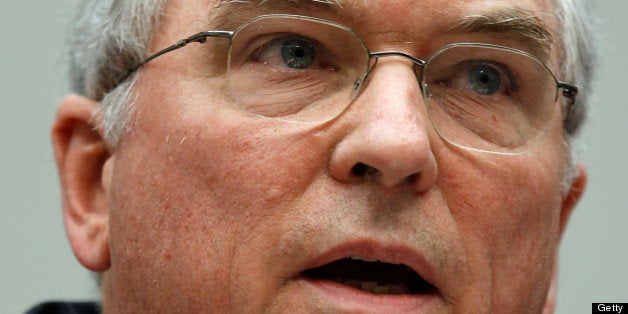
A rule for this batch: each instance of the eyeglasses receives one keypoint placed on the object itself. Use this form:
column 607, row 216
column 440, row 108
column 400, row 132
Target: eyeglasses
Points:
column 480, row 97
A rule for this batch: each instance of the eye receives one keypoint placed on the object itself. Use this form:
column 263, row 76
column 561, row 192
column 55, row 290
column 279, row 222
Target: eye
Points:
column 293, row 51
column 298, row 53
column 484, row 79
column 475, row 77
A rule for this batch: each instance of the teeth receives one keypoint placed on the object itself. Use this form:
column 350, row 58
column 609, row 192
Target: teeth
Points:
column 381, row 290
column 374, row 287
column 360, row 258
column 397, row 289
column 368, row 285
column 370, row 260
column 353, row 283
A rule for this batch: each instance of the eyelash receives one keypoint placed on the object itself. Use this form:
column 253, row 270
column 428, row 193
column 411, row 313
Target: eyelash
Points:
column 269, row 47
column 461, row 70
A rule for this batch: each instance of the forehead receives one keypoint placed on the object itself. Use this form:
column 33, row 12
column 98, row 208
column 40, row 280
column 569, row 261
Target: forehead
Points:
column 400, row 8
column 529, row 24
column 532, row 19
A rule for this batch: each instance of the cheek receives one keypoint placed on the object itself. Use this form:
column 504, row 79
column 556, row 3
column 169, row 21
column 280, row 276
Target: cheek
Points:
column 189, row 197
column 240, row 159
column 164, row 239
column 507, row 212
column 246, row 170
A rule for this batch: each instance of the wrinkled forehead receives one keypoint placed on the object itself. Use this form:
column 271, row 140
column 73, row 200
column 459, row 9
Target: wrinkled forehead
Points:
column 529, row 22
column 392, row 8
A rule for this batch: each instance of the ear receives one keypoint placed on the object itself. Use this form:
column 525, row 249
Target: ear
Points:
column 550, row 302
column 572, row 198
column 85, row 167
column 569, row 203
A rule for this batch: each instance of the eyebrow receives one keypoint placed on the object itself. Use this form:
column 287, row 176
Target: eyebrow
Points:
column 296, row 2
column 518, row 22
column 224, row 10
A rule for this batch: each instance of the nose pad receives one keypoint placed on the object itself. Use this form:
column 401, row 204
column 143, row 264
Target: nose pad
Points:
column 417, row 68
column 389, row 139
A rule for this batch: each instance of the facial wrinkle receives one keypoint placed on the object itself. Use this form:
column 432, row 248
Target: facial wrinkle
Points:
column 518, row 23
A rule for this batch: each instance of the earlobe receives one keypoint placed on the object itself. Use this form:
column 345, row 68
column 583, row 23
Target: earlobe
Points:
column 84, row 166
column 569, row 203
column 550, row 302
column 572, row 198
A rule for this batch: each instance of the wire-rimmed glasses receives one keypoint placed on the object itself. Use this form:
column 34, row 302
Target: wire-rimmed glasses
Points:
column 478, row 96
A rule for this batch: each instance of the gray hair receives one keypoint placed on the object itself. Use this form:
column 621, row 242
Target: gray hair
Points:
column 579, row 58
column 111, row 36
column 579, row 55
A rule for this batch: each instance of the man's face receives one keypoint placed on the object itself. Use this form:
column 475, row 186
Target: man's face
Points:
column 213, row 209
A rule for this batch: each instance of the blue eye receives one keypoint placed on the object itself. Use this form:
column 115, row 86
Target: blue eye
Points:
column 484, row 79
column 298, row 53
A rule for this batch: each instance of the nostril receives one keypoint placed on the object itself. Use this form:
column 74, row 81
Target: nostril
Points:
column 362, row 170
column 413, row 177
column 359, row 169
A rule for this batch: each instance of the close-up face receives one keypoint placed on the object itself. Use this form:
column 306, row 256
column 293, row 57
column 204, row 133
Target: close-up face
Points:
column 218, row 201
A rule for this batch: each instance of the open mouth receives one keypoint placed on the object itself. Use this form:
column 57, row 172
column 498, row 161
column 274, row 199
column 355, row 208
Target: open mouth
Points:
column 372, row 276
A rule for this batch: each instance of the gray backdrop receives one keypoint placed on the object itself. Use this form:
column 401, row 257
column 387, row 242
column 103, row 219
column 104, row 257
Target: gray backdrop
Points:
column 37, row 264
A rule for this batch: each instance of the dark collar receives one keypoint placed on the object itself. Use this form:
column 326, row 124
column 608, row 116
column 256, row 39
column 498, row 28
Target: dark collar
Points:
column 66, row 308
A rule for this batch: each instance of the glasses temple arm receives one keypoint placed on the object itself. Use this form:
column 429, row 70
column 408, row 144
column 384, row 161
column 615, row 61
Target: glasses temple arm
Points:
column 198, row 37
column 570, row 92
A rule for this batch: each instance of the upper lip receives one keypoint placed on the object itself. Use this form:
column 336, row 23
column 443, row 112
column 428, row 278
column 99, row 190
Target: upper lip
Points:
column 373, row 250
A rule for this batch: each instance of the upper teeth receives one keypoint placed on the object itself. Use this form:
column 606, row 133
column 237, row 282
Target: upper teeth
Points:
column 370, row 260
column 360, row 258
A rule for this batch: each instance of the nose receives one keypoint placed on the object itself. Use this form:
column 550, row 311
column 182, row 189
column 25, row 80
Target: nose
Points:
column 388, row 133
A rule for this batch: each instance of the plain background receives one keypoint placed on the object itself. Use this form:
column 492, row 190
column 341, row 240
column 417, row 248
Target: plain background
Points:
column 36, row 262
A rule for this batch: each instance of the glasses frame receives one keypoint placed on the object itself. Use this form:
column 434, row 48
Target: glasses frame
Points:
column 569, row 91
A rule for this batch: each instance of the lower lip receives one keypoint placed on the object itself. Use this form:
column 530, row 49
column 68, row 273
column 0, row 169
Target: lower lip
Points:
column 349, row 298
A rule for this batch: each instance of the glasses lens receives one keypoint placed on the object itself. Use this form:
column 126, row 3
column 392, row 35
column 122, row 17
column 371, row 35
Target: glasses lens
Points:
column 295, row 68
column 489, row 98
